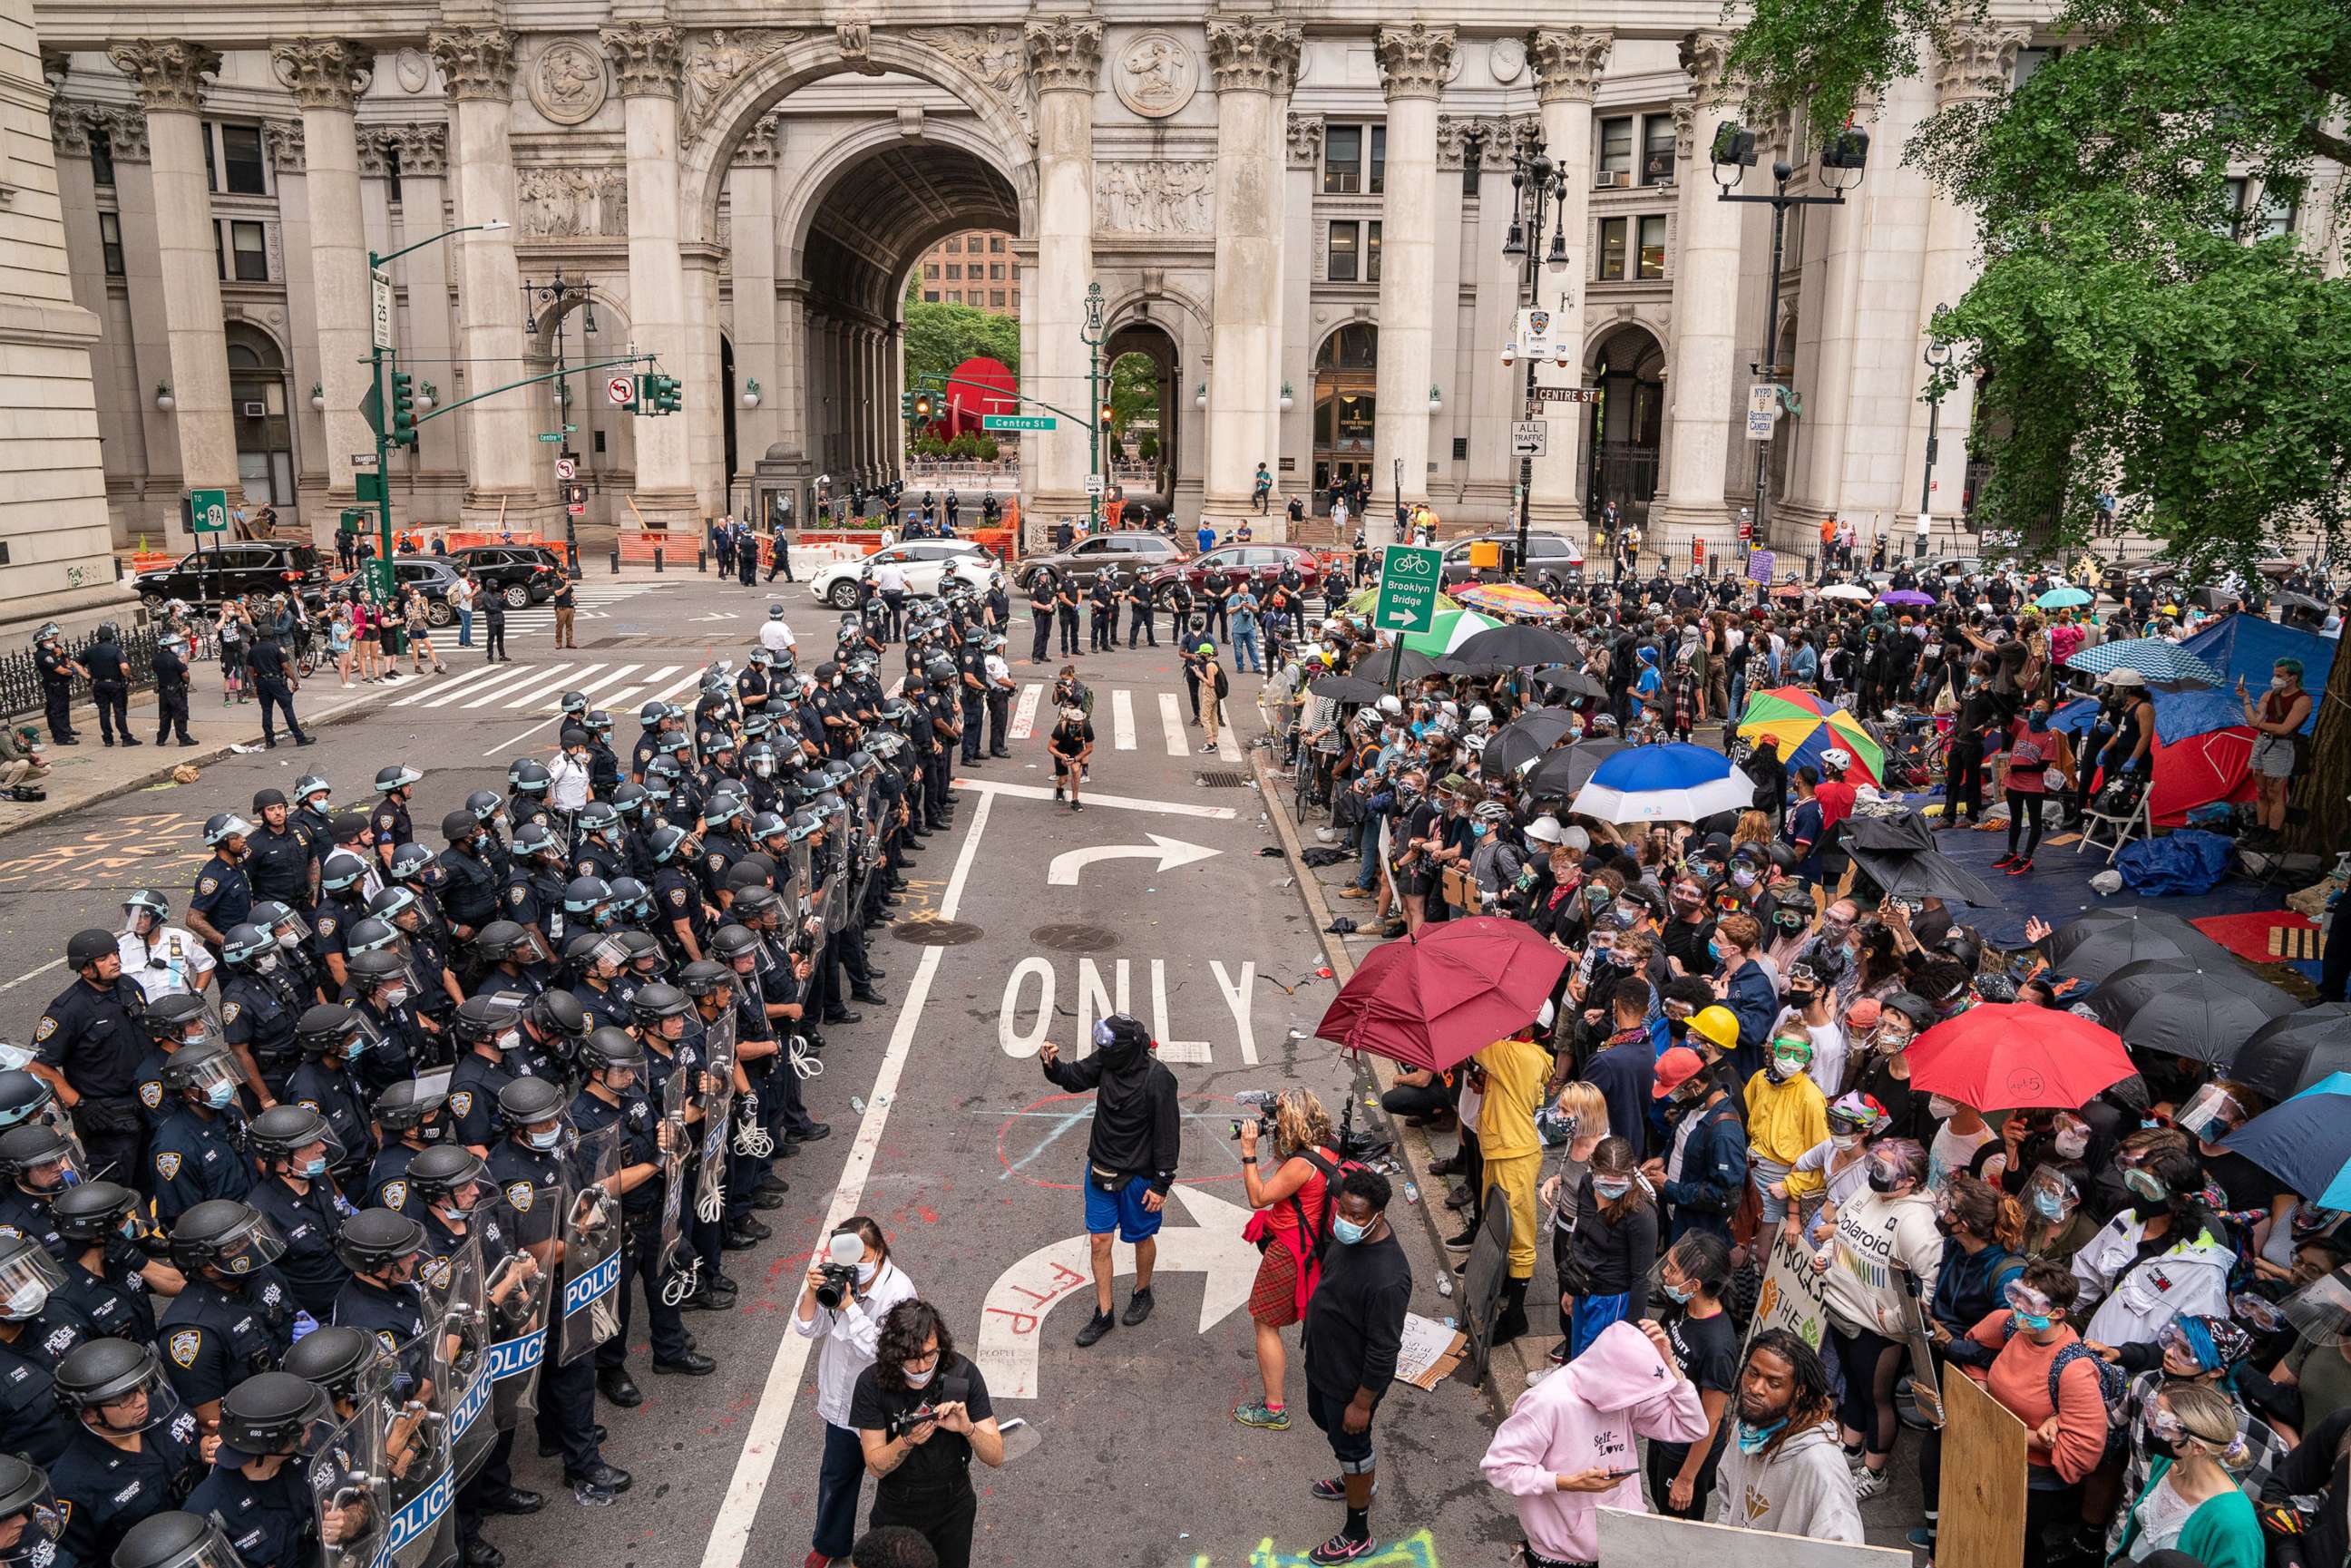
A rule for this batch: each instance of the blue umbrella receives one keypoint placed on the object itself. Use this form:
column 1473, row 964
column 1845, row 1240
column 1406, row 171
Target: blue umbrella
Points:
column 1670, row 783
column 2150, row 657
column 2062, row 599
column 2304, row 1142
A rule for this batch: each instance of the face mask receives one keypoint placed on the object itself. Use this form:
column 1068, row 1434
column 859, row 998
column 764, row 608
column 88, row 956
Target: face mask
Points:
column 1346, row 1232
column 2073, row 1144
column 509, row 1039
column 921, row 1379
column 865, row 1272
column 1478, row 830
column 2049, row 1205
column 314, row 1167
column 2279, row 683
column 266, row 964
column 220, row 1096
column 288, row 941
column 27, row 1301
column 1681, row 1295
column 1883, row 1181
column 355, row 1048
column 548, row 1139
column 1714, row 951
column 1846, row 1141
column 1942, row 1110
column 2037, row 1324
column 197, row 1036
column 1743, row 877
column 1751, row 1438
column 1612, row 1190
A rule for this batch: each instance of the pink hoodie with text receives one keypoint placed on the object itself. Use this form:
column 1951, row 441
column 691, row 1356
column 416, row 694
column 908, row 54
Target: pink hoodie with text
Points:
column 1584, row 1417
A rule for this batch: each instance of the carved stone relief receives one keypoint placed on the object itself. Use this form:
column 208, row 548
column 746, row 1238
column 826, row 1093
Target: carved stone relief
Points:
column 573, row 203
column 713, row 63
column 1155, row 76
column 1505, row 58
column 412, row 70
column 569, row 83
column 1305, row 135
column 1156, row 198
column 993, row 56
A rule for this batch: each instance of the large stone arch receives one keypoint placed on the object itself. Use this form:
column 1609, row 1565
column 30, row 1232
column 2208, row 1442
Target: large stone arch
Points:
column 702, row 167
column 845, row 154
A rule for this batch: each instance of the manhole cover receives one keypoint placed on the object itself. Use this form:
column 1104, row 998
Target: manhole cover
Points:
column 1075, row 938
column 1224, row 778
column 924, row 933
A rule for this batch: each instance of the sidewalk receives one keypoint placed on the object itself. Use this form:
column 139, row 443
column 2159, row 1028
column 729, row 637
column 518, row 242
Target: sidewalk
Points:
column 93, row 770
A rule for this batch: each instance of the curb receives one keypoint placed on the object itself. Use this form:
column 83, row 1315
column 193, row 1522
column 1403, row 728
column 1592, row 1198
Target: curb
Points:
column 1411, row 1144
column 202, row 757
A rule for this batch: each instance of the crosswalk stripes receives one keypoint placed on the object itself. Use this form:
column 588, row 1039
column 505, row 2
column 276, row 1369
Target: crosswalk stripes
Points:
column 1171, row 726
column 586, row 595
column 1024, row 712
column 540, row 688
column 1121, row 720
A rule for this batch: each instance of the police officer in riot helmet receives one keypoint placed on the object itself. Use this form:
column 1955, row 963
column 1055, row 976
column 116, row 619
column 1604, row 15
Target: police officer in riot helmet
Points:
column 110, row 1277
column 597, row 851
column 259, row 1007
column 238, row 1314
column 409, row 1119
column 304, row 972
column 395, row 784
column 512, row 953
column 131, row 1453
column 342, row 903
column 384, row 992
column 170, row 1022
column 298, row 1151
column 89, row 1043
column 381, row 1249
column 38, row 1163
column 470, row 892
column 198, row 1153
column 490, row 1030
column 257, row 1485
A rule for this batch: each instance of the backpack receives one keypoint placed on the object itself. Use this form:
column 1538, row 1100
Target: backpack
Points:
column 2113, row 1388
column 1333, row 1172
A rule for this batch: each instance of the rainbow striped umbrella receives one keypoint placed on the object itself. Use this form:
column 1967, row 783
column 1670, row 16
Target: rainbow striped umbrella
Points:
column 1512, row 599
column 1804, row 730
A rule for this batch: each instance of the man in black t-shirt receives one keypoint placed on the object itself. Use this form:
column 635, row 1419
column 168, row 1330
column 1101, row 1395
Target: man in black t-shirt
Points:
column 923, row 1466
column 1072, row 745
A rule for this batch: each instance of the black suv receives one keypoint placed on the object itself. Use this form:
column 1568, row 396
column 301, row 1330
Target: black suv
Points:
column 218, row 573
column 524, row 574
column 1087, row 558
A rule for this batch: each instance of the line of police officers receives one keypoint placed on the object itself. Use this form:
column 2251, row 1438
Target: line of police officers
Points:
column 223, row 1234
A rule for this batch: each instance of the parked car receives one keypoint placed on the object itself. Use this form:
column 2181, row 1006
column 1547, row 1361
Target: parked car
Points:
column 217, row 573
column 1260, row 564
column 1088, row 559
column 524, row 574
column 1548, row 555
column 928, row 563
column 428, row 575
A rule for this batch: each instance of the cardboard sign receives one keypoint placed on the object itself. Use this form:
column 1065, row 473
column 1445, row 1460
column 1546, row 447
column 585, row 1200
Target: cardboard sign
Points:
column 1429, row 1351
column 1794, row 1298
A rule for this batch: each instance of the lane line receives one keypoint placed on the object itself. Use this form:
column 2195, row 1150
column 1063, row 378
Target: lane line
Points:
column 1228, row 742
column 1121, row 720
column 29, row 974
column 505, row 745
column 1171, row 726
column 730, row 1535
column 442, row 688
column 529, row 692
column 1024, row 712
column 1117, row 802
column 502, row 678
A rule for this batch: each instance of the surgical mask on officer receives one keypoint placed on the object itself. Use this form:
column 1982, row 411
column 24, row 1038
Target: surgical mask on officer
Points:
column 509, row 1039
column 288, row 941
column 25, row 1302
column 546, row 1137
column 314, row 1166
column 394, row 995
column 221, row 1096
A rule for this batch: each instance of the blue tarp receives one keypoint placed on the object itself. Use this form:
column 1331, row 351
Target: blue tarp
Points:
column 2186, row 865
column 2236, row 646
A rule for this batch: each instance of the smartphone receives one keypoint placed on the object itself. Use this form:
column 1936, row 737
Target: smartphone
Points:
column 1622, row 1475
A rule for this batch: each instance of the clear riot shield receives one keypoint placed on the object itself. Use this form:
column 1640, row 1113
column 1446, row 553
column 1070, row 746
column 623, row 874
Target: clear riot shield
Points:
column 351, row 1488
column 837, row 873
column 520, row 1229
column 673, row 1266
column 421, row 1527
column 710, row 1177
column 868, row 857
column 457, row 1310
column 806, row 904
column 592, row 1243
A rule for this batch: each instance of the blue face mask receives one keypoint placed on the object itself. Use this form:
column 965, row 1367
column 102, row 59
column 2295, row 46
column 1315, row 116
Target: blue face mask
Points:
column 220, row 1096
column 314, row 1167
column 1681, row 1295
column 2049, row 1204
column 1714, row 951
column 355, row 1048
column 2028, row 1321
column 1752, row 1438
column 547, row 1140
column 1346, row 1232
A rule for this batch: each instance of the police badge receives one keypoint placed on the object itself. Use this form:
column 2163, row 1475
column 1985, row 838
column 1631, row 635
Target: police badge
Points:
column 167, row 1166
column 519, row 1195
column 184, row 1345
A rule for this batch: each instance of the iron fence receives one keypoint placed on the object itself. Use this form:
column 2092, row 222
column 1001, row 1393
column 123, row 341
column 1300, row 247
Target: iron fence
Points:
column 20, row 675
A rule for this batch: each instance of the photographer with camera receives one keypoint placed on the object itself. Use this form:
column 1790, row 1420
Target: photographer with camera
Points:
column 1129, row 1157
column 921, row 1414
column 849, row 1291
column 1292, row 1214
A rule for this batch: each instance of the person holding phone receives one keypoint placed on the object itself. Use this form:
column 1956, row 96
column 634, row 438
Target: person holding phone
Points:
column 923, row 1414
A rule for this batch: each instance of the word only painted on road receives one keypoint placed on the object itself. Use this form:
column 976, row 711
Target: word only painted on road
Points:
column 1027, row 1018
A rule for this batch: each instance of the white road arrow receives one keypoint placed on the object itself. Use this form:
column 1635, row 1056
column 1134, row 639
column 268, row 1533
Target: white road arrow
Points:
column 717, row 615
column 1170, row 854
column 1024, row 1294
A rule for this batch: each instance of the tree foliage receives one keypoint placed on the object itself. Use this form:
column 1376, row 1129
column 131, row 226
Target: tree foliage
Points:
column 940, row 335
column 1134, row 392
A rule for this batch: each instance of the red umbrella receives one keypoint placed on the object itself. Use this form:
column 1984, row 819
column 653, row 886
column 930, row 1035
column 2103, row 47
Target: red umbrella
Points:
column 1435, row 999
column 2002, row 1056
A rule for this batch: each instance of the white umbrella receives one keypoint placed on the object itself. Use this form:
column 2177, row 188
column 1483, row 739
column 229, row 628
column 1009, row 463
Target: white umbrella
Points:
column 1846, row 590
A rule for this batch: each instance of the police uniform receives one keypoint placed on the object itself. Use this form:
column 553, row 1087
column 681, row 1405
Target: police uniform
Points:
column 603, row 1006
column 114, row 1295
column 642, row 752
column 641, row 1254
column 22, row 1214
column 332, row 1092
column 1215, row 594
column 260, row 1012
column 196, row 1158
column 170, row 959
column 109, row 688
column 271, row 1523
column 277, row 864
column 388, row 821
column 147, row 1083
column 32, row 1423
column 472, row 894
column 567, row 1393
column 308, row 1223
column 971, row 667
column 105, row 1490
column 387, row 1177
column 592, row 859
column 406, row 1045
column 473, row 1086
column 678, row 896
column 224, row 894
column 56, row 671
column 92, row 1036
column 331, row 928
column 170, row 695
column 394, row 1316
column 320, row 826
column 215, row 1338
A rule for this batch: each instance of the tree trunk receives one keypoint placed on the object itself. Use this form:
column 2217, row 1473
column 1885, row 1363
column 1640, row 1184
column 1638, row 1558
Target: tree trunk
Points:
column 2326, row 789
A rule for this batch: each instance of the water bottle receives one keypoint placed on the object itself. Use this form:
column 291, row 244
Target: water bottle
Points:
column 1444, row 1284
column 1411, row 1191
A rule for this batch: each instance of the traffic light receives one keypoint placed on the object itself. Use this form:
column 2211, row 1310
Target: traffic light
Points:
column 657, row 394
column 906, row 406
column 403, row 409
column 1107, row 415
column 925, row 406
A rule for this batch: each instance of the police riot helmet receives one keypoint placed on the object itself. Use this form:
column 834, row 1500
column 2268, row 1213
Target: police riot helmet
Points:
column 757, row 902
column 939, row 667
column 574, row 703
column 481, row 1017
column 665, row 842
column 23, row 1096
column 395, row 776
column 270, row 1411
column 407, row 1107
column 724, row 805
column 628, row 798
column 658, row 1001
column 660, row 773
column 202, row 1067
column 673, row 743
column 642, row 947
column 580, row 950
column 632, row 896
column 174, row 1539
column 333, row 1029
column 751, row 872
column 412, row 861
column 702, row 977
column 528, row 1100
column 571, row 735
column 168, row 1015
column 376, row 966
column 245, row 943
column 340, row 869
column 370, row 935
column 582, row 894
column 310, row 784
column 437, row 1173
column 459, row 827
column 264, row 798
column 389, row 904
column 331, row 1357
column 499, row 939
column 767, row 825
column 805, row 824
column 555, row 1013
column 598, row 817
column 376, row 1238
column 148, row 899
column 524, row 777
column 30, row 1146
column 87, row 947
column 732, row 942
column 222, row 1233
column 609, row 1048
column 277, row 1132
column 93, row 1211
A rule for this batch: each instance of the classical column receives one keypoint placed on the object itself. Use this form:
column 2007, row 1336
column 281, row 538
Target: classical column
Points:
column 1567, row 64
column 645, row 59
column 167, row 76
column 751, row 208
column 1064, row 59
column 477, row 67
column 1706, row 317
column 1414, row 61
column 1977, row 65
column 789, row 395
column 282, row 143
column 421, row 279
column 1302, row 160
column 1255, row 59
column 327, row 77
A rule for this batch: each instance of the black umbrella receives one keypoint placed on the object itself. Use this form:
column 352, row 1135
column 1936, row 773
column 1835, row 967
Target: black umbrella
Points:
column 2185, row 1010
column 1906, row 835
column 2287, row 1055
column 2119, row 942
column 1523, row 741
column 1517, row 645
column 1922, row 874
column 1414, row 666
column 2289, row 600
column 1346, row 689
column 1566, row 769
column 1572, row 682
column 1472, row 668
column 2091, row 921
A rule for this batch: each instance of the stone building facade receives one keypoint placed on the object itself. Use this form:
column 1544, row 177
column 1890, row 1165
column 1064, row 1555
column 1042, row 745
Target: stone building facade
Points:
column 1302, row 221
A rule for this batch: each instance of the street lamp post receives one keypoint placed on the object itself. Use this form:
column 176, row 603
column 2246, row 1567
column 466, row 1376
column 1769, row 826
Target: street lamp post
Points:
column 556, row 297
column 1538, row 194
column 1734, row 151
column 1091, row 334
column 381, row 357
column 1939, row 354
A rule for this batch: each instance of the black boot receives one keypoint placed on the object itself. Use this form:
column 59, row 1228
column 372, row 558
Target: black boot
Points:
column 1511, row 1320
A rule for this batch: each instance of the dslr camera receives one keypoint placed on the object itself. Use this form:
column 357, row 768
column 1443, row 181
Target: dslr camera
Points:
column 1261, row 1101
column 840, row 1270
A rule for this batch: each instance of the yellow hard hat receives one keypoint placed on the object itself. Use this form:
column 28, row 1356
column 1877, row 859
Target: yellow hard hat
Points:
column 1718, row 1024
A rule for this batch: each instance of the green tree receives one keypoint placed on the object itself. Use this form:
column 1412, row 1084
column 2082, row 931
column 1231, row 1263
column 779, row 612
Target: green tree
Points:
column 1133, row 391
column 939, row 336
column 2129, row 334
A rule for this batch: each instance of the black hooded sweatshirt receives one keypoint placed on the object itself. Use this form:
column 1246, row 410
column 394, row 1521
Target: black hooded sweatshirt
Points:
column 1138, row 1128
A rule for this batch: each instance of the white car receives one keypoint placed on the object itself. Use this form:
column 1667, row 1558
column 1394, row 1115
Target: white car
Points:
column 927, row 563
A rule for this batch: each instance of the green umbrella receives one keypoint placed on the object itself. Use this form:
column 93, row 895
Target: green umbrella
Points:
column 1449, row 630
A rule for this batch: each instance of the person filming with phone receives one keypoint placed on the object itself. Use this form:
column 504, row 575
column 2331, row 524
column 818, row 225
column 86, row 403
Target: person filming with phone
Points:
column 923, row 1414
column 851, row 1286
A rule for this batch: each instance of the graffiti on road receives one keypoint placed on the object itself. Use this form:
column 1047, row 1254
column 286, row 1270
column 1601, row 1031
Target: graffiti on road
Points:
column 163, row 848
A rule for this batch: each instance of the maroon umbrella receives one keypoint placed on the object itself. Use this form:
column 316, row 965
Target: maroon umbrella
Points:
column 1435, row 999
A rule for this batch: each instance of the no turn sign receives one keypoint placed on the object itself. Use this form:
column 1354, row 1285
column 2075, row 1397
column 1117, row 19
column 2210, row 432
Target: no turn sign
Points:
column 622, row 390
column 566, row 467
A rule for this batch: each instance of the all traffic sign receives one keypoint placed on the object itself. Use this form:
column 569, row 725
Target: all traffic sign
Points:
column 622, row 390
column 1410, row 578
column 1528, row 438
